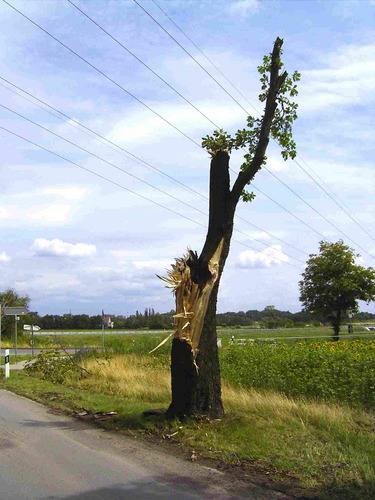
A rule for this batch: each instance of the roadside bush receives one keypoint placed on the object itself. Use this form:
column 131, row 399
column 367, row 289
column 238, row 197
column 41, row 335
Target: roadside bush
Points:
column 54, row 366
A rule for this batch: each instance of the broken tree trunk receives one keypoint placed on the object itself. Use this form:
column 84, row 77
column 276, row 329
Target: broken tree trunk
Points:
column 195, row 280
column 195, row 369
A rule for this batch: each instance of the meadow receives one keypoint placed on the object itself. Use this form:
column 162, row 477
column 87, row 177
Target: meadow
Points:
column 277, row 396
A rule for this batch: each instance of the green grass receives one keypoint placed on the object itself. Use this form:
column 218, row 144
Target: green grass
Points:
column 326, row 449
column 298, row 412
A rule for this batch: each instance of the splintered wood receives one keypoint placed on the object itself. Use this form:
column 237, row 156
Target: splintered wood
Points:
column 191, row 299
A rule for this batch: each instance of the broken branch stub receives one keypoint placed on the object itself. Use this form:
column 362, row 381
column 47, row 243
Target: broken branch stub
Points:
column 191, row 298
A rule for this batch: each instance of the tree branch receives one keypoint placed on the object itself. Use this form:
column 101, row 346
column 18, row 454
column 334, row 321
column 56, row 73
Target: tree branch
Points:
column 276, row 82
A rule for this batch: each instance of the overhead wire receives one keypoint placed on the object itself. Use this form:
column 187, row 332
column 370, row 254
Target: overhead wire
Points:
column 335, row 197
column 317, row 212
column 134, row 176
column 143, row 63
column 130, row 190
column 107, row 142
column 291, row 213
column 101, row 159
column 206, row 57
column 144, row 104
column 246, row 111
column 105, row 75
column 72, row 122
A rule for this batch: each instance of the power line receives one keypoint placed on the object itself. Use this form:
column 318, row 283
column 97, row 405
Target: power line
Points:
column 99, row 175
column 141, row 102
column 316, row 211
column 132, row 156
column 236, row 101
column 95, row 135
column 190, row 55
column 129, row 190
column 104, row 74
column 206, row 57
column 102, row 159
column 291, row 213
column 143, row 63
column 133, row 176
column 341, row 204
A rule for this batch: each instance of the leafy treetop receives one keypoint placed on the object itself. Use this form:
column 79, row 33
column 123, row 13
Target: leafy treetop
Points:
column 333, row 282
column 277, row 91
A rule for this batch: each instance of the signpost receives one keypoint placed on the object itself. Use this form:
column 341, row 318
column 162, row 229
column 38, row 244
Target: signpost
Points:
column 1, row 313
column 32, row 329
column 15, row 311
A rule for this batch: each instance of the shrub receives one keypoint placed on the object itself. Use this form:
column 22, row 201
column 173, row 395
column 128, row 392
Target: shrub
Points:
column 54, row 366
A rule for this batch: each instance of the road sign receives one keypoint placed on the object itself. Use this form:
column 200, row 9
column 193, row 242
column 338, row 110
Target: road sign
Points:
column 31, row 327
column 14, row 311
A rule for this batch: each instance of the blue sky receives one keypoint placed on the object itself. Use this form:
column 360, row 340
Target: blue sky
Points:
column 75, row 242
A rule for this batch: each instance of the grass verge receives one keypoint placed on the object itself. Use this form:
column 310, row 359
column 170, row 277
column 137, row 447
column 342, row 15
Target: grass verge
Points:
column 328, row 449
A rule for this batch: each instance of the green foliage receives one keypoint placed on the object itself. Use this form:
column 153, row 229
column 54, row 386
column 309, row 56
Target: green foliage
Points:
column 10, row 298
column 281, row 127
column 329, row 371
column 333, row 283
column 55, row 366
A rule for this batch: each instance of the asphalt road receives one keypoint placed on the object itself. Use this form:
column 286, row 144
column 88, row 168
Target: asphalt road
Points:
column 44, row 455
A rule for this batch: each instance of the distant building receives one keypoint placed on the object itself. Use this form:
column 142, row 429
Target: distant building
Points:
column 106, row 318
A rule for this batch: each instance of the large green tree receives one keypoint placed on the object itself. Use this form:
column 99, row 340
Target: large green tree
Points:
column 196, row 385
column 10, row 298
column 333, row 283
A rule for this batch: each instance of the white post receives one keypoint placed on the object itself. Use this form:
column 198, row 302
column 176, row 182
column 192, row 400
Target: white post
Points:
column 0, row 330
column 32, row 340
column 103, row 334
column 16, row 318
column 6, row 363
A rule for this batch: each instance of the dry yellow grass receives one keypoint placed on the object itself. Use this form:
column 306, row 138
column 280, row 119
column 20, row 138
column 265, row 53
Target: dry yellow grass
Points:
column 284, row 408
column 128, row 376
column 136, row 377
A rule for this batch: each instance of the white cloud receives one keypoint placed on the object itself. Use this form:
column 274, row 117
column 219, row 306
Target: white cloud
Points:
column 124, row 254
column 360, row 261
column 51, row 213
column 3, row 213
column 349, row 75
column 153, row 265
column 67, row 192
column 139, row 126
column 61, row 248
column 271, row 256
column 4, row 257
column 244, row 7
column 260, row 235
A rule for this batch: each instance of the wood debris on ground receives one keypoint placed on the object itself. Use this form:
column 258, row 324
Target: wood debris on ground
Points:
column 95, row 415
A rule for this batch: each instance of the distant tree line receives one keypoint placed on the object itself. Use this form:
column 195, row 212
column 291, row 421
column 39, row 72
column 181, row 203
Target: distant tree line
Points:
column 270, row 317
column 149, row 319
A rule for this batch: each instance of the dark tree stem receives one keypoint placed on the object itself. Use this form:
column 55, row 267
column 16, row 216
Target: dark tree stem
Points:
column 196, row 388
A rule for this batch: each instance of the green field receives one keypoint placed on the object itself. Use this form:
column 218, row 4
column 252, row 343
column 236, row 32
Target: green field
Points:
column 81, row 338
column 300, row 411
